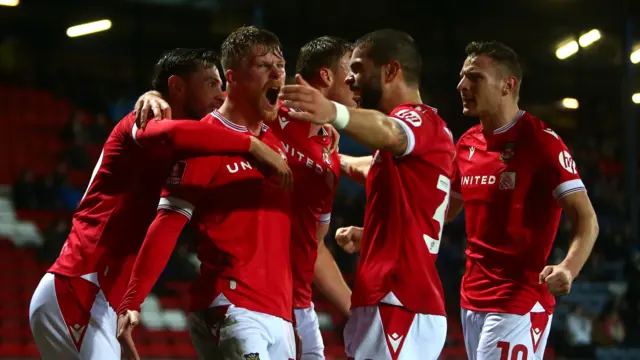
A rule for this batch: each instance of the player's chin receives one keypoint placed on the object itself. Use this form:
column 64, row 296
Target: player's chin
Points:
column 350, row 103
column 467, row 111
column 269, row 108
column 269, row 114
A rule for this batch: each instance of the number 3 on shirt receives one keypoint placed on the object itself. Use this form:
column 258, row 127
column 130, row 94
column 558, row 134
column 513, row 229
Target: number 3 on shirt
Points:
column 444, row 184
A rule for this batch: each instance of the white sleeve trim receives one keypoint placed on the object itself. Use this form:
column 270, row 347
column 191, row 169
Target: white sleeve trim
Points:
column 177, row 205
column 411, row 138
column 456, row 195
column 568, row 187
column 325, row 218
column 134, row 133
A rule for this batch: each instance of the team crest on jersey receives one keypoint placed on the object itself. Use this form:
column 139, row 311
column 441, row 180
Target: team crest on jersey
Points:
column 508, row 152
column 177, row 173
column 326, row 156
column 252, row 356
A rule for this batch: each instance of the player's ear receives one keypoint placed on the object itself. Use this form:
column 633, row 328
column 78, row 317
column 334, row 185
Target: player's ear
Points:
column 390, row 70
column 510, row 85
column 326, row 76
column 230, row 77
column 176, row 84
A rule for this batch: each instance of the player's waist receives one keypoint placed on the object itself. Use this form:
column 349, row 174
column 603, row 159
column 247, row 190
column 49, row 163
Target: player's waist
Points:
column 519, row 302
column 302, row 294
column 407, row 298
column 490, row 272
column 276, row 301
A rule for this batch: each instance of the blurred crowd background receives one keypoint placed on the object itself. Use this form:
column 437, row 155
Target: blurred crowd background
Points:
column 61, row 96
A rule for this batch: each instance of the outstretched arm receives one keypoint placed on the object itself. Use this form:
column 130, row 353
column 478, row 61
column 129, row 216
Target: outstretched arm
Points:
column 368, row 127
column 190, row 138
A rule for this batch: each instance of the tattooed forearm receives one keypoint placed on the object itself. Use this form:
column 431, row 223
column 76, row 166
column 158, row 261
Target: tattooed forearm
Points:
column 401, row 139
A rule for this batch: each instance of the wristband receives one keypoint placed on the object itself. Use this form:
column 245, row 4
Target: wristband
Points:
column 342, row 116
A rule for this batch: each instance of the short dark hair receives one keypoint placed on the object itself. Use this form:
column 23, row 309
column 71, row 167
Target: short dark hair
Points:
column 239, row 44
column 180, row 62
column 382, row 46
column 498, row 52
column 325, row 51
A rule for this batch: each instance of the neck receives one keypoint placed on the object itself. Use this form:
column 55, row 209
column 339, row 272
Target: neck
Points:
column 504, row 114
column 401, row 95
column 241, row 113
column 178, row 109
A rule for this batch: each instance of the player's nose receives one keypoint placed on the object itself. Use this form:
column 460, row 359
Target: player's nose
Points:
column 350, row 80
column 462, row 85
column 276, row 72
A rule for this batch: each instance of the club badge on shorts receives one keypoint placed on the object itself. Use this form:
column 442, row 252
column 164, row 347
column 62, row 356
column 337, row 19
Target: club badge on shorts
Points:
column 508, row 152
column 252, row 356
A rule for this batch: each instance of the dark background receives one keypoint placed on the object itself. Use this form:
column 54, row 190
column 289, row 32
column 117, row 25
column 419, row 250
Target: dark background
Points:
column 60, row 96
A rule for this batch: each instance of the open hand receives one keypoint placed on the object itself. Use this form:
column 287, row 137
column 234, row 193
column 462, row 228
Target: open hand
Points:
column 151, row 101
column 312, row 106
column 335, row 138
column 126, row 323
column 277, row 161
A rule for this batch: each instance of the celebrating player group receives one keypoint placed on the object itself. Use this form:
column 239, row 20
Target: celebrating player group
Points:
column 255, row 173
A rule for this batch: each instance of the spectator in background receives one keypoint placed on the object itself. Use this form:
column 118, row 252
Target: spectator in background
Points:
column 24, row 191
column 74, row 128
column 99, row 129
column 54, row 237
column 608, row 328
column 48, row 193
column 76, row 155
column 579, row 328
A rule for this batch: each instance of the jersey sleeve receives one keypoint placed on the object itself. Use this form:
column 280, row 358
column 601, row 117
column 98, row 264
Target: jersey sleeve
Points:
column 186, row 183
column 558, row 165
column 456, row 192
column 152, row 258
column 419, row 125
column 325, row 212
column 190, row 138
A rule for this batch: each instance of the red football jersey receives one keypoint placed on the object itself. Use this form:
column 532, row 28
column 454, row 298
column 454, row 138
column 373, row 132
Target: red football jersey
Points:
column 316, row 172
column 125, row 185
column 243, row 227
column 120, row 202
column 407, row 198
column 510, row 182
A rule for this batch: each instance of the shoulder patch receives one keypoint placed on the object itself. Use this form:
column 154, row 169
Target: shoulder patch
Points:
column 177, row 173
column 410, row 116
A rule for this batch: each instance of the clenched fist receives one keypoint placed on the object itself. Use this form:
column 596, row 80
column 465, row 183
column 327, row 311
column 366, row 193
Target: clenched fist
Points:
column 349, row 238
column 558, row 279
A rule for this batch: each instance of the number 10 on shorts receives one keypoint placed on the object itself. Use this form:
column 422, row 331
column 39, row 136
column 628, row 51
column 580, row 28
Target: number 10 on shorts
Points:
column 518, row 351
